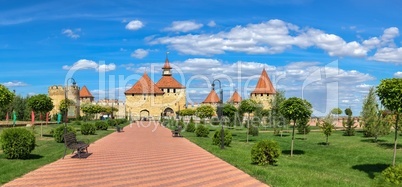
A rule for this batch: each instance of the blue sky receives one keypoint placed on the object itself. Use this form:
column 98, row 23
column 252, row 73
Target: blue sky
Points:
column 329, row 52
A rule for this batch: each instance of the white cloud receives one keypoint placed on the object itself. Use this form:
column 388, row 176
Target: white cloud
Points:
column 271, row 37
column 71, row 33
column 134, row 25
column 212, row 24
column 184, row 26
column 389, row 35
column 140, row 53
column 388, row 54
column 14, row 84
column 398, row 74
column 89, row 64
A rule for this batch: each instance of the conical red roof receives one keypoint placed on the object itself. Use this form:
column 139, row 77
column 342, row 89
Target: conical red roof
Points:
column 167, row 64
column 212, row 97
column 236, row 98
column 264, row 85
column 84, row 92
column 168, row 82
column 144, row 86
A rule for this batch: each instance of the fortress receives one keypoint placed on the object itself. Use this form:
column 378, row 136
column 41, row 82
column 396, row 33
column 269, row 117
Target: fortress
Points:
column 146, row 99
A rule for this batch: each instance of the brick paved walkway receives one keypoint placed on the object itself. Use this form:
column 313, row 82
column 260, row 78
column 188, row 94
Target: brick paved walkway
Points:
column 139, row 157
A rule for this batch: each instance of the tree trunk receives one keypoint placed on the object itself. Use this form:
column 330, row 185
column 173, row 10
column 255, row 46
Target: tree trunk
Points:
column 396, row 137
column 248, row 125
column 326, row 142
column 293, row 138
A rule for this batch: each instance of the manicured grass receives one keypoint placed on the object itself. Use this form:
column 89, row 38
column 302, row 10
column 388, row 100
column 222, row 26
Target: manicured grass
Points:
column 347, row 161
column 47, row 150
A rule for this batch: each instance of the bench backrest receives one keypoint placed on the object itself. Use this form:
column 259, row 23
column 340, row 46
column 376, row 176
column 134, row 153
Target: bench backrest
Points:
column 69, row 138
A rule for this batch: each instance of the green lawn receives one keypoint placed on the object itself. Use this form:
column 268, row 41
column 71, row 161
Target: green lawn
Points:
column 46, row 151
column 347, row 161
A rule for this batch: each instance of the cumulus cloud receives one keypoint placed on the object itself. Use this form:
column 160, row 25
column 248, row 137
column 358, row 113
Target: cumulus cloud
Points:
column 276, row 36
column 211, row 24
column 134, row 25
column 140, row 53
column 14, row 84
column 89, row 64
column 71, row 33
column 388, row 54
column 398, row 74
column 270, row 37
column 183, row 26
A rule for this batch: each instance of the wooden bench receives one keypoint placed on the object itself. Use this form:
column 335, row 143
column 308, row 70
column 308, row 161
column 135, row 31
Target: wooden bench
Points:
column 176, row 132
column 71, row 142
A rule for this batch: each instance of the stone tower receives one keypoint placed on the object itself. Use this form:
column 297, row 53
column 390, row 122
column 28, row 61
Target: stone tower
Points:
column 57, row 94
column 145, row 99
column 264, row 91
column 85, row 95
column 174, row 98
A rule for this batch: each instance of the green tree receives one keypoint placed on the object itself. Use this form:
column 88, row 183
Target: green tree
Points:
column 327, row 126
column 303, row 126
column 230, row 111
column 276, row 119
column 295, row 109
column 205, row 111
column 349, row 125
column 6, row 96
column 390, row 93
column 42, row 104
column 247, row 106
column 187, row 112
column 64, row 104
column 373, row 120
column 336, row 111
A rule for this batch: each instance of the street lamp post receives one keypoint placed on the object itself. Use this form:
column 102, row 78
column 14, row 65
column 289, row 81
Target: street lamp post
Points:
column 220, row 112
column 66, row 109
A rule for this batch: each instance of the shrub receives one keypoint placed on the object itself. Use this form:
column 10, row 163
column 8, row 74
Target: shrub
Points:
column 215, row 121
column 216, row 140
column 181, row 123
column 121, row 121
column 303, row 127
column 265, row 152
column 201, row 131
column 392, row 175
column 17, row 143
column 77, row 123
column 88, row 128
column 191, row 119
column 253, row 130
column 111, row 122
column 190, row 127
column 59, row 132
column 202, row 121
column 101, row 125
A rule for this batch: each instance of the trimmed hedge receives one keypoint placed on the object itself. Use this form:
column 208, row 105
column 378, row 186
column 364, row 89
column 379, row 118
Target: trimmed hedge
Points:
column 265, row 152
column 391, row 176
column 190, row 127
column 17, row 143
column 101, row 125
column 88, row 128
column 111, row 122
column 253, row 130
column 216, row 140
column 59, row 132
column 202, row 131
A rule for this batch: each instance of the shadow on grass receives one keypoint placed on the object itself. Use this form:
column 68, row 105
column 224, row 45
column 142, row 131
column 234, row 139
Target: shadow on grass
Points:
column 389, row 145
column 33, row 157
column 250, row 140
column 295, row 152
column 323, row 143
column 283, row 135
column 371, row 169
column 369, row 140
column 301, row 138
column 48, row 135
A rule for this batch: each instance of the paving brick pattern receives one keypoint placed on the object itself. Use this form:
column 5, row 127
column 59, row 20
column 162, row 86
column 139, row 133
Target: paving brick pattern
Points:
column 139, row 156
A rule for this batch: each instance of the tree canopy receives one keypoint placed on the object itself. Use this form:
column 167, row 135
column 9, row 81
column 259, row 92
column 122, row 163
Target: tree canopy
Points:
column 6, row 96
column 40, row 103
column 336, row 111
column 295, row 109
column 205, row 111
column 390, row 93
